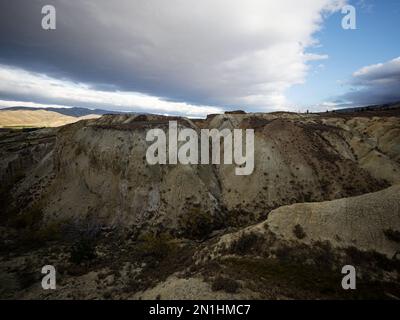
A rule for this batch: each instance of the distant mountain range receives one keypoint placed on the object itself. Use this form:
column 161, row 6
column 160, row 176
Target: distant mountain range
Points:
column 78, row 112
column 72, row 112
column 378, row 107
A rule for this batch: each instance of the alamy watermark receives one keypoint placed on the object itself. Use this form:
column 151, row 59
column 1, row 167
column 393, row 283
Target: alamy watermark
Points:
column 184, row 145
column 349, row 21
column 349, row 280
column 49, row 280
column 49, row 18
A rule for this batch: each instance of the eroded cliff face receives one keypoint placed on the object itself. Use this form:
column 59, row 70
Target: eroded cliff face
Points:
column 26, row 167
column 98, row 169
column 101, row 170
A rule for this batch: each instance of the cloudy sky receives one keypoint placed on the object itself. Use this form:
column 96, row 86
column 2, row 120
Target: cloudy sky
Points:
column 190, row 57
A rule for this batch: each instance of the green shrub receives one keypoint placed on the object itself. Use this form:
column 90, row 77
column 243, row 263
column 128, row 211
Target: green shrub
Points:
column 299, row 232
column 323, row 254
column 372, row 259
column 26, row 279
column 225, row 284
column 31, row 237
column 8, row 209
column 247, row 243
column 83, row 250
column 392, row 235
column 198, row 224
column 28, row 218
column 49, row 232
column 320, row 254
column 308, row 197
column 154, row 246
column 79, row 150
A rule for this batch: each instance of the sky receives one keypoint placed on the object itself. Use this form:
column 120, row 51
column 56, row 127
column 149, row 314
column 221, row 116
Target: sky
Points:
column 193, row 58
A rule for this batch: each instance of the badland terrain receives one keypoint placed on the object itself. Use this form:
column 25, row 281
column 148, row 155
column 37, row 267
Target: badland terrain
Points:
column 324, row 193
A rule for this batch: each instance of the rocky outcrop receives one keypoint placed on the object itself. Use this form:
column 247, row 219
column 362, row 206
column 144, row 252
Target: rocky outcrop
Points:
column 365, row 221
column 101, row 169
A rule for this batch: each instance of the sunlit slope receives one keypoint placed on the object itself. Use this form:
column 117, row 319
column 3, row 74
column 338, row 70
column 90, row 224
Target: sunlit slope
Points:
column 36, row 118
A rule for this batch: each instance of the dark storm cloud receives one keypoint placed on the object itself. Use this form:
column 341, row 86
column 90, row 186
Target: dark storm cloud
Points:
column 78, row 49
column 375, row 84
column 222, row 53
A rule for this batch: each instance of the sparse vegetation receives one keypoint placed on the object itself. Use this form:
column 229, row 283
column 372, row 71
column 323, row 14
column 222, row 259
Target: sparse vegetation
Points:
column 160, row 256
column 308, row 197
column 86, row 237
column 225, row 284
column 300, row 281
column 374, row 260
column 392, row 235
column 28, row 218
column 79, row 149
column 50, row 231
column 299, row 232
column 320, row 254
column 31, row 237
column 27, row 279
column 156, row 247
column 198, row 224
column 246, row 244
column 83, row 251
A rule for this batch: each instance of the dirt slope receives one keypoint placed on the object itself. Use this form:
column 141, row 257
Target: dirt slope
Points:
column 365, row 222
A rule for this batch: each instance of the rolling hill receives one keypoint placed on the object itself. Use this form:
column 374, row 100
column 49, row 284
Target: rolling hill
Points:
column 37, row 118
